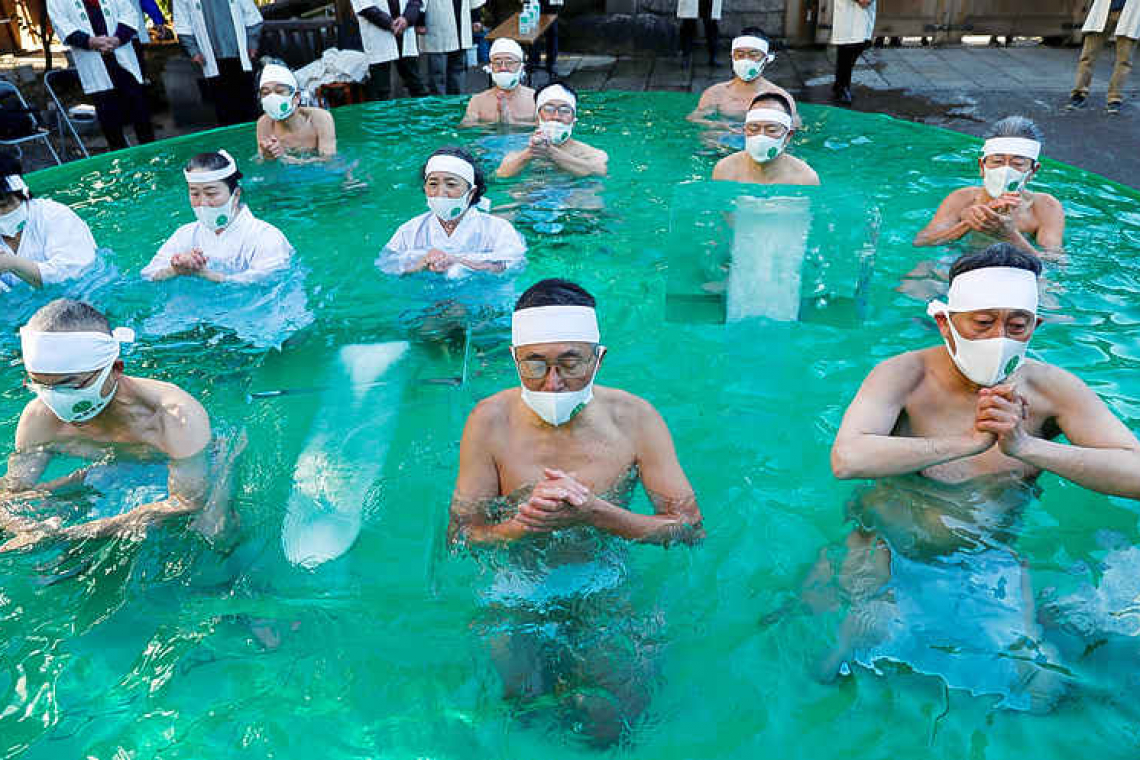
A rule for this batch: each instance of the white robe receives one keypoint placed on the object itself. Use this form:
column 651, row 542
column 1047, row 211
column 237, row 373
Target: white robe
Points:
column 56, row 239
column 478, row 236
column 380, row 44
column 691, row 9
column 445, row 33
column 851, row 23
column 68, row 16
column 1127, row 26
column 248, row 249
column 189, row 19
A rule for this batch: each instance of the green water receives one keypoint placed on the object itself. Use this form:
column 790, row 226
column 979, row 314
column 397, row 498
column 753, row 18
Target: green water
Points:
column 149, row 650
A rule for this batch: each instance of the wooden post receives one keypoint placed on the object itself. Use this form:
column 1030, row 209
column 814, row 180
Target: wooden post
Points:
column 45, row 34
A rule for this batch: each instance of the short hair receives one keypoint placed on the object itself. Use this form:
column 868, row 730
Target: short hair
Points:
column 997, row 255
column 785, row 102
column 554, row 292
column 212, row 162
column 563, row 85
column 480, row 179
column 10, row 166
column 1016, row 126
column 67, row 315
column 753, row 31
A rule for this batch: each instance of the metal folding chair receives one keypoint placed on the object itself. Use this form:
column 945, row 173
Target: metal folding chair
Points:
column 38, row 132
column 54, row 80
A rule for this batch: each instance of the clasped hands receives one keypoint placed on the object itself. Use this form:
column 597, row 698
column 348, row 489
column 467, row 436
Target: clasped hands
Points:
column 1000, row 418
column 272, row 147
column 188, row 263
column 558, row 501
column 993, row 218
column 103, row 44
column 436, row 260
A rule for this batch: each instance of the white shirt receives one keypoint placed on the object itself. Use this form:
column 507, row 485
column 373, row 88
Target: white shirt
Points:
column 851, row 23
column 247, row 250
column 478, row 236
column 56, row 239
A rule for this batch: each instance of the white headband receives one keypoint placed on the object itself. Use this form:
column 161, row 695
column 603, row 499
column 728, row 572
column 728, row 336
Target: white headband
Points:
column 769, row 114
column 67, row 353
column 16, row 183
column 554, row 324
column 195, row 176
column 506, row 46
column 444, row 162
column 990, row 288
column 274, row 73
column 1012, row 146
column 556, row 92
column 748, row 41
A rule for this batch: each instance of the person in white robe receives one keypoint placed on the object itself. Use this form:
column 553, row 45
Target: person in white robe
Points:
column 709, row 12
column 446, row 34
column 852, row 29
column 42, row 242
column 100, row 34
column 455, row 237
column 222, row 36
column 226, row 243
column 1122, row 18
column 388, row 33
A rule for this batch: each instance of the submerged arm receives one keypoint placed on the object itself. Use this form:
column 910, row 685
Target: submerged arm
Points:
column 477, row 488
column 26, row 269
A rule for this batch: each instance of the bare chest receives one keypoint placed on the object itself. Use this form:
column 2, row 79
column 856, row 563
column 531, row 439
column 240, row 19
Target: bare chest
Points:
column 597, row 458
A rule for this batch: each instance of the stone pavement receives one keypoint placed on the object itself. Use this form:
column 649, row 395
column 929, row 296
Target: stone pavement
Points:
column 962, row 87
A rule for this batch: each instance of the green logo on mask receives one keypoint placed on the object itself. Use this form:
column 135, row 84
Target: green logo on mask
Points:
column 223, row 220
column 773, row 152
column 1011, row 365
column 81, row 407
column 1012, row 187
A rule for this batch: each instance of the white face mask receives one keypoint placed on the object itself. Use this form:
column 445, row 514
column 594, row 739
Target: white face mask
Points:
column 763, row 148
column 989, row 361
column 1004, row 179
column 506, row 80
column 747, row 70
column 215, row 218
column 13, row 222
column 556, row 131
column 449, row 209
column 78, row 404
column 558, row 408
column 278, row 107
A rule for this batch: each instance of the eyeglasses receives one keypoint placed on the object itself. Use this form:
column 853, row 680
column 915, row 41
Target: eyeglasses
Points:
column 569, row 367
column 765, row 128
column 505, row 64
column 565, row 112
column 1021, row 163
column 741, row 54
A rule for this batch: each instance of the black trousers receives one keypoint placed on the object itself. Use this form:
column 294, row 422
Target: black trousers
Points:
column 535, row 52
column 380, row 78
column 845, row 57
column 445, row 72
column 689, row 30
column 124, row 104
column 233, row 94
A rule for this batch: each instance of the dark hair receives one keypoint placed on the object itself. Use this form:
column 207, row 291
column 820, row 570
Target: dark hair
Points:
column 480, row 178
column 753, row 31
column 563, row 85
column 66, row 315
column 9, row 166
column 785, row 103
column 997, row 255
column 212, row 162
column 554, row 292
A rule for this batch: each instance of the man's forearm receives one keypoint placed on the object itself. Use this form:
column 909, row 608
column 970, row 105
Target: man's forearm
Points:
column 650, row 529
column 1111, row 471
column 880, row 456
column 513, row 163
column 137, row 519
column 945, row 234
column 1019, row 240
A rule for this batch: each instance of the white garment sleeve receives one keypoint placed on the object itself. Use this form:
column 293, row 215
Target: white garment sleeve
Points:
column 271, row 254
column 501, row 242
column 61, row 19
column 69, row 249
column 399, row 254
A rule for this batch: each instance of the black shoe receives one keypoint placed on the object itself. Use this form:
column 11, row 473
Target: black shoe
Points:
column 1076, row 102
column 842, row 96
column 1113, row 108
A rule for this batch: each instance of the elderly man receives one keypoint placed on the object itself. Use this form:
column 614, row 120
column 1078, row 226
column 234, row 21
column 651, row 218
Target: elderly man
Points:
column 508, row 101
column 549, row 469
column 1123, row 18
column 731, row 99
column 1002, row 209
column 765, row 161
column 954, row 434
column 557, row 111
column 100, row 36
column 288, row 128
column 86, row 407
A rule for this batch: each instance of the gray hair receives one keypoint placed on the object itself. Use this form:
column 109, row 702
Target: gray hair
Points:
column 1016, row 126
column 66, row 315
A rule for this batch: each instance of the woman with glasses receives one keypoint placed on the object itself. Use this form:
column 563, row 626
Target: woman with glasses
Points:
column 551, row 143
column 508, row 101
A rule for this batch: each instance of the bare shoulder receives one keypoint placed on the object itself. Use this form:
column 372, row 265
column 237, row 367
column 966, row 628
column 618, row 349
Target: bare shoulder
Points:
column 185, row 423
column 712, row 94
column 490, row 412
column 320, row 116
column 805, row 175
column 1051, row 381
column 626, row 409
column 902, row 373
column 37, row 426
column 1046, row 203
